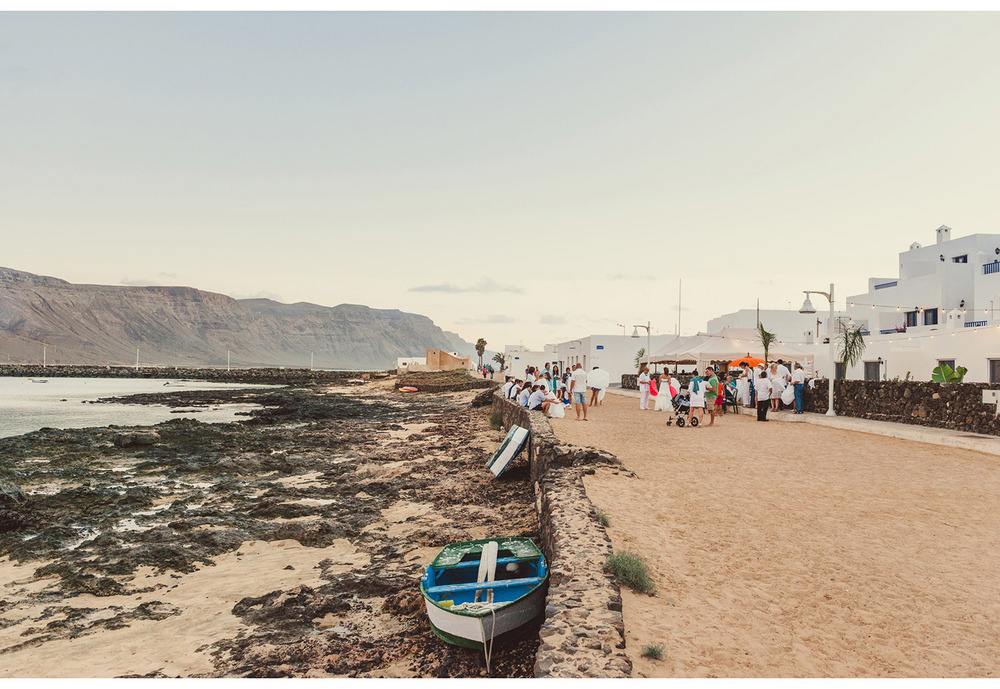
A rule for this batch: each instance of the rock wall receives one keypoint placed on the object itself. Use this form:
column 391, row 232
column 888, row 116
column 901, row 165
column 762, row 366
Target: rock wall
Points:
column 958, row 406
column 583, row 634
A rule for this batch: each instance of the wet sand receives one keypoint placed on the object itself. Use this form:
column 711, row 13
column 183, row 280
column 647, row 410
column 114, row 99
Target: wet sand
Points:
column 290, row 546
column 791, row 550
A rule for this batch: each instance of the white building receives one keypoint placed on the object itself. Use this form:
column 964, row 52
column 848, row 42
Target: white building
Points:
column 788, row 325
column 942, row 308
column 613, row 353
column 518, row 358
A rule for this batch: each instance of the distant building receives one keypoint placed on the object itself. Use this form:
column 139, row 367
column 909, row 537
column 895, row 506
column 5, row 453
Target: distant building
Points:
column 435, row 360
column 787, row 325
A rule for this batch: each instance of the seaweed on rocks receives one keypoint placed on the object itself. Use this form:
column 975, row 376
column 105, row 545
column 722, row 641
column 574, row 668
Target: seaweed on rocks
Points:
column 393, row 477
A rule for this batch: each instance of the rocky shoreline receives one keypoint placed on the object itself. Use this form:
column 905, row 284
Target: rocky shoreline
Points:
column 302, row 531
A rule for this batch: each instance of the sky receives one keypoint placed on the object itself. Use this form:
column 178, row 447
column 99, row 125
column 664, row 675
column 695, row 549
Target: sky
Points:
column 527, row 178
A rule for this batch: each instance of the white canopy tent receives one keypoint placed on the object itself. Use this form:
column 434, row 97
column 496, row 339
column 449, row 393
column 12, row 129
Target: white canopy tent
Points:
column 728, row 344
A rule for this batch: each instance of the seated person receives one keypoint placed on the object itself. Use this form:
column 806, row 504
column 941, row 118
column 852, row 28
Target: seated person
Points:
column 537, row 399
column 522, row 397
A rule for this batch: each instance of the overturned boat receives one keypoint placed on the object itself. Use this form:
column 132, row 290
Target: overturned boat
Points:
column 477, row 591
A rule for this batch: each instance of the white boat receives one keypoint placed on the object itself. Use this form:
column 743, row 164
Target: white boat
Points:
column 509, row 449
column 477, row 591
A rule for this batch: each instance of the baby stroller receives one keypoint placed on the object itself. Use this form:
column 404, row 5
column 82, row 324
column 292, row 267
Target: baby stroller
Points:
column 682, row 405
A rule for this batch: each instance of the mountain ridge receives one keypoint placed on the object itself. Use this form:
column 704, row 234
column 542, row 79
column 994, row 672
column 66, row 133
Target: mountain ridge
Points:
column 178, row 325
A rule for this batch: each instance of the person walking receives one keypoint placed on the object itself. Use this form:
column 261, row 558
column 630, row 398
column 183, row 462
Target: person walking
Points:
column 578, row 391
column 644, row 389
column 763, row 396
column 799, row 381
column 711, row 393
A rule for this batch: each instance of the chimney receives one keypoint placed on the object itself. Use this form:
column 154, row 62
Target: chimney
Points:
column 943, row 234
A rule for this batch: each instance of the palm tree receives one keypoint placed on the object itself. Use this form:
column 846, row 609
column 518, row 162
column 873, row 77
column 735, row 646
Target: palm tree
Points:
column 480, row 350
column 638, row 358
column 766, row 339
column 852, row 346
column 500, row 359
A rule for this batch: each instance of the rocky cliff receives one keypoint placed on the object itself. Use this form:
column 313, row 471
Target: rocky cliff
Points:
column 100, row 324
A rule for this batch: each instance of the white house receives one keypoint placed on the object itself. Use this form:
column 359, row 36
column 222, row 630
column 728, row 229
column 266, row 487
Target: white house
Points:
column 943, row 307
column 788, row 325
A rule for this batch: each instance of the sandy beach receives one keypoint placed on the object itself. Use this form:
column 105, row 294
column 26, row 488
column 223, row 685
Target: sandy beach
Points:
column 791, row 550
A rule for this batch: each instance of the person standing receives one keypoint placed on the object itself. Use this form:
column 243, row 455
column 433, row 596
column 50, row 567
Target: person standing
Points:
column 711, row 392
column 763, row 396
column 696, row 399
column 799, row 381
column 578, row 391
column 777, row 387
column 644, row 389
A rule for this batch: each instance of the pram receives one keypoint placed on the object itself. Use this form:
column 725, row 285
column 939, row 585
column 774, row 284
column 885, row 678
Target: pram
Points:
column 682, row 405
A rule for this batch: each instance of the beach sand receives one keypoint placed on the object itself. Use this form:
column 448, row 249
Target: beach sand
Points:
column 792, row 550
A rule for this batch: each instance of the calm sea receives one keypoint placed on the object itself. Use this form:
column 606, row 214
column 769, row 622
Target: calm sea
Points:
column 26, row 406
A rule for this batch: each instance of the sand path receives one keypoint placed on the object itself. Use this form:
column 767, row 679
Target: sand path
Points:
column 800, row 551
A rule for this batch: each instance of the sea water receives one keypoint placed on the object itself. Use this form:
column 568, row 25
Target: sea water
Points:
column 26, row 405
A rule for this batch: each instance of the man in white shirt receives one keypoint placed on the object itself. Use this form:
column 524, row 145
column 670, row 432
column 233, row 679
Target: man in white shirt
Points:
column 507, row 386
column 578, row 390
column 799, row 381
column 763, row 386
column 644, row 388
column 522, row 398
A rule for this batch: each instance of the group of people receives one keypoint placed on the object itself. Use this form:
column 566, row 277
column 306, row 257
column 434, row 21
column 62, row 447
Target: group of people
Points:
column 704, row 393
column 552, row 391
column 767, row 387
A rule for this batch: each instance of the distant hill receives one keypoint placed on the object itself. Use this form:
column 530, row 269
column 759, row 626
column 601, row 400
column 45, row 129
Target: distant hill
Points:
column 103, row 324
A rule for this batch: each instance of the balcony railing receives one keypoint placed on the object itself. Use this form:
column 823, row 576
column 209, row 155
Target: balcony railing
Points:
column 887, row 285
column 989, row 268
column 974, row 324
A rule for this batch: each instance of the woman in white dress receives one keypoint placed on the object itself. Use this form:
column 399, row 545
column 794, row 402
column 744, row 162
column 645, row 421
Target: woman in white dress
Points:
column 743, row 386
column 665, row 395
column 777, row 387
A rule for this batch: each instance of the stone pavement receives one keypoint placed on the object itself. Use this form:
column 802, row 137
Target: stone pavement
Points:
column 989, row 444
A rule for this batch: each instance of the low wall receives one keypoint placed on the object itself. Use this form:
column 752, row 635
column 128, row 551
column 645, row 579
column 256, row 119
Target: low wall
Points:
column 279, row 376
column 583, row 634
column 958, row 406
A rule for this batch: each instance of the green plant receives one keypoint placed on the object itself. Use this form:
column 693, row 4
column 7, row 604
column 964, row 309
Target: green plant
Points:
column 496, row 421
column 500, row 359
column 944, row 374
column 602, row 517
column 654, row 651
column 638, row 358
column 766, row 339
column 631, row 571
column 480, row 349
column 852, row 346
column 908, row 378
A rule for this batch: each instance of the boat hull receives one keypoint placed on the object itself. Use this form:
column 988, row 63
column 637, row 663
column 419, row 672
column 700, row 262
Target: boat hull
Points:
column 470, row 629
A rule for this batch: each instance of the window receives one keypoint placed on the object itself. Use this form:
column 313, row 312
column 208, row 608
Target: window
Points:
column 950, row 363
column 872, row 370
column 911, row 319
column 838, row 373
column 960, row 259
column 930, row 316
column 995, row 371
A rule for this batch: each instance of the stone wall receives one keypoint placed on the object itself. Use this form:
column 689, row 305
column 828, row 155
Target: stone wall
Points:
column 583, row 634
column 278, row 376
column 958, row 406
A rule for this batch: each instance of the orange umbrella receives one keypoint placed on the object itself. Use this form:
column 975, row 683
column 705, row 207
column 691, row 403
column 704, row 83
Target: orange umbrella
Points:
column 749, row 360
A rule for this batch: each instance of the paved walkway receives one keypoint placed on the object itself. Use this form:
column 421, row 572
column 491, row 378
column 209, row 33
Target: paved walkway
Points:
column 990, row 444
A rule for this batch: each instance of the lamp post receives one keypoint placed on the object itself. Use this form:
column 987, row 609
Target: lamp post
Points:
column 635, row 335
column 807, row 307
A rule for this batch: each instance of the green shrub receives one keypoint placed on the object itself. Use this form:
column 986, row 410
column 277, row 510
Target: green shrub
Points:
column 631, row 571
column 602, row 517
column 654, row 651
column 496, row 421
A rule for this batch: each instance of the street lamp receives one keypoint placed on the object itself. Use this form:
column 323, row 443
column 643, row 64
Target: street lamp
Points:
column 635, row 335
column 807, row 307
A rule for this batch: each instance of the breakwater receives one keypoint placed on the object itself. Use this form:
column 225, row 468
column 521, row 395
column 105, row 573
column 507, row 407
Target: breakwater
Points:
column 583, row 632
column 269, row 376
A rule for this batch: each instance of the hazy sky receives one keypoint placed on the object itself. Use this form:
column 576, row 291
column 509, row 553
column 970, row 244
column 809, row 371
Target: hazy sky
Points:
column 521, row 177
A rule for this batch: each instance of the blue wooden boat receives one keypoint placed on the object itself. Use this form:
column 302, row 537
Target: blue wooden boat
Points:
column 476, row 591
column 509, row 449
